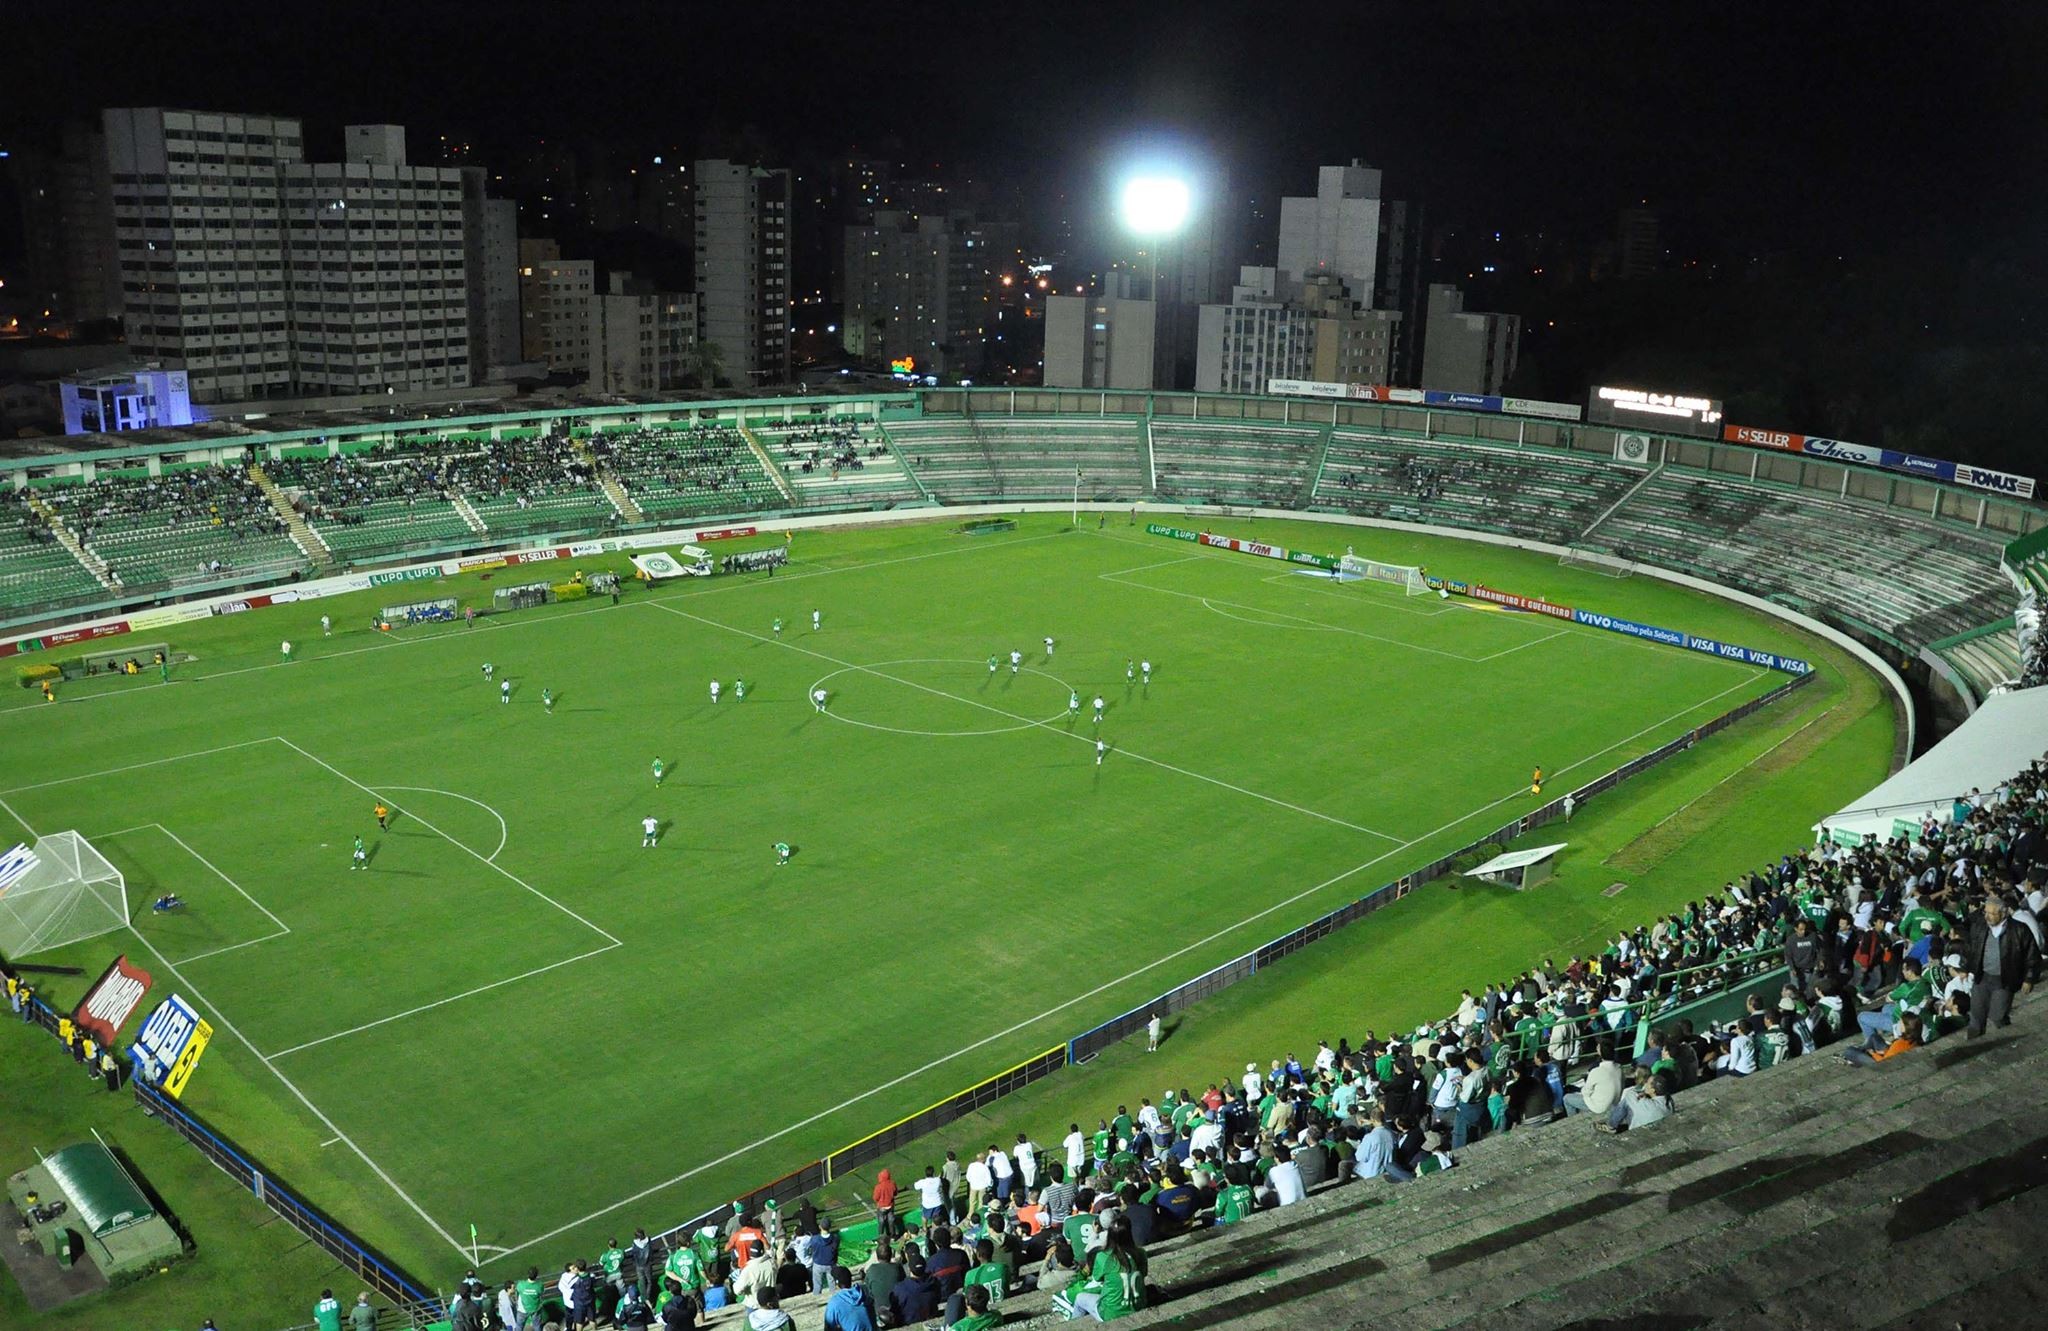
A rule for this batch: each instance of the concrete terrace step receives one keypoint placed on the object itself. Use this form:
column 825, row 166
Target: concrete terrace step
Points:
column 1719, row 1244
column 1772, row 1190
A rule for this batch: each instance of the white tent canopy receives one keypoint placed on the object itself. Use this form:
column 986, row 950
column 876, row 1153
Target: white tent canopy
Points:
column 2009, row 731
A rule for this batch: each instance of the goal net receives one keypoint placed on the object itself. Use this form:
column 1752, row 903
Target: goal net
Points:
column 1579, row 556
column 1408, row 577
column 62, row 891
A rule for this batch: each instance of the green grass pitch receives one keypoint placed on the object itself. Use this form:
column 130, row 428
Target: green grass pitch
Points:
column 519, row 1017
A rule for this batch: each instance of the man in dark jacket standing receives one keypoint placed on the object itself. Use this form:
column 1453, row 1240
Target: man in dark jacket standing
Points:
column 1802, row 955
column 2003, row 960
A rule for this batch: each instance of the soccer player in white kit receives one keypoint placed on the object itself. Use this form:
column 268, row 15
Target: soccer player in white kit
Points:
column 1048, row 649
column 814, row 621
column 1145, row 668
column 326, row 627
column 488, row 668
column 1016, row 661
column 818, row 699
column 649, row 829
column 714, row 690
column 1099, row 704
column 505, row 691
column 1100, row 749
column 286, row 648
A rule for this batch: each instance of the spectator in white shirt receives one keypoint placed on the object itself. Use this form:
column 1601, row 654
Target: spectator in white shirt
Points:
column 1254, row 1085
column 1027, row 1161
column 1738, row 1057
column 1207, row 1136
column 1001, row 1171
column 979, row 1180
column 931, row 1195
column 1285, row 1177
column 1077, row 1150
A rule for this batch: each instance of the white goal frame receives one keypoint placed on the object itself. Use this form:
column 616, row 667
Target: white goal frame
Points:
column 70, row 893
column 1410, row 578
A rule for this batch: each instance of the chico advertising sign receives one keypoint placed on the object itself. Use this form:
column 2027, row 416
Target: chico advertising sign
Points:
column 107, row 1006
column 1841, row 450
column 726, row 533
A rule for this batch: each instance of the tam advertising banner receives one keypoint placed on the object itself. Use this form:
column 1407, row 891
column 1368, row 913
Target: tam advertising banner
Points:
column 112, row 999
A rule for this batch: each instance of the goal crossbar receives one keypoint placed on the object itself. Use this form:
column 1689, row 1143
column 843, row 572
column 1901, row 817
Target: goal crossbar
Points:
column 62, row 891
column 1410, row 578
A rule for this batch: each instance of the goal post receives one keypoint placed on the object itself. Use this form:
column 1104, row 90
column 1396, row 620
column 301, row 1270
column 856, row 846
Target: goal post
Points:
column 61, row 891
column 1410, row 578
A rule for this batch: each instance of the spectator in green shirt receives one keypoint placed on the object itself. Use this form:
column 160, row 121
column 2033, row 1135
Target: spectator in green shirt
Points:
column 327, row 1312
column 1116, row 1283
column 362, row 1317
column 526, row 1298
column 980, row 1316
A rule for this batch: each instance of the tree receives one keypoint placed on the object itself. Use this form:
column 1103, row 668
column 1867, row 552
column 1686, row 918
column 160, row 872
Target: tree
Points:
column 705, row 366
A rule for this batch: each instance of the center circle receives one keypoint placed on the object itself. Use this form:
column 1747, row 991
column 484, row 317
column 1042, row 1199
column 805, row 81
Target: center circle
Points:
column 963, row 682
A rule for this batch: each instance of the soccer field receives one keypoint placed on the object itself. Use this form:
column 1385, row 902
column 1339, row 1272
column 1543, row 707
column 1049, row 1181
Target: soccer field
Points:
column 518, row 1017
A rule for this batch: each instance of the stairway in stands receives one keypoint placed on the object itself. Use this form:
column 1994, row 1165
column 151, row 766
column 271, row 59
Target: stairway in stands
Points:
column 310, row 542
column 88, row 558
column 1812, row 1195
column 769, row 464
column 614, row 489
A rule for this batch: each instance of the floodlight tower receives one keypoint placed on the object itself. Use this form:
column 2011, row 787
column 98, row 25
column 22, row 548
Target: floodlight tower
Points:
column 1154, row 208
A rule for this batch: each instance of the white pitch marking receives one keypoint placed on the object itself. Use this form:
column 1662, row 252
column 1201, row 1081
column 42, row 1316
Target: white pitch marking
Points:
column 1047, row 726
column 443, row 1002
column 221, row 1017
column 503, row 832
column 136, row 767
column 601, row 932
column 1055, row 1010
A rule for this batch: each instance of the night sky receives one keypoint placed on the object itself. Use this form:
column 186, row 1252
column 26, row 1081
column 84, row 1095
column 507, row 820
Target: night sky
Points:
column 1778, row 125
column 1850, row 197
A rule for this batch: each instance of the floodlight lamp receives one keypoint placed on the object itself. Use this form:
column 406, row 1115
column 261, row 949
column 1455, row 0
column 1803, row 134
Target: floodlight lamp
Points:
column 1155, row 205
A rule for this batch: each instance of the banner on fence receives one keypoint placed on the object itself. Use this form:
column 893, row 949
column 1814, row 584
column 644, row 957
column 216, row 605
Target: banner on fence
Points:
column 1888, row 459
column 171, row 1041
column 113, row 998
column 405, row 574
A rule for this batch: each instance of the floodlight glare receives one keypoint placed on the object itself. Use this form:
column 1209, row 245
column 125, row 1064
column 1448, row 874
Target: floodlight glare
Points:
column 1155, row 205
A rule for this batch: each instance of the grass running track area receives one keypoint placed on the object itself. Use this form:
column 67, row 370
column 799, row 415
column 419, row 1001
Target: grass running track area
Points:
column 520, row 1018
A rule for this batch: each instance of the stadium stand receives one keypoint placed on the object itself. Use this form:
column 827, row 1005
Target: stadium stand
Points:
column 525, row 483
column 1803, row 1035
column 365, row 505
column 186, row 527
column 1910, row 577
column 35, row 569
column 962, row 459
column 686, row 470
column 1235, row 464
column 839, row 465
column 1546, row 496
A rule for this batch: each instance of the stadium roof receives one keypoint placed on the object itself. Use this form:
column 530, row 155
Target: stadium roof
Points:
column 2009, row 731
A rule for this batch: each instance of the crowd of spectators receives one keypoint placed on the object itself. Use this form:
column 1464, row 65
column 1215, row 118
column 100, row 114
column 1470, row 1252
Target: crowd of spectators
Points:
column 829, row 447
column 659, row 466
column 342, row 489
column 220, row 498
column 1885, row 946
column 25, row 522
